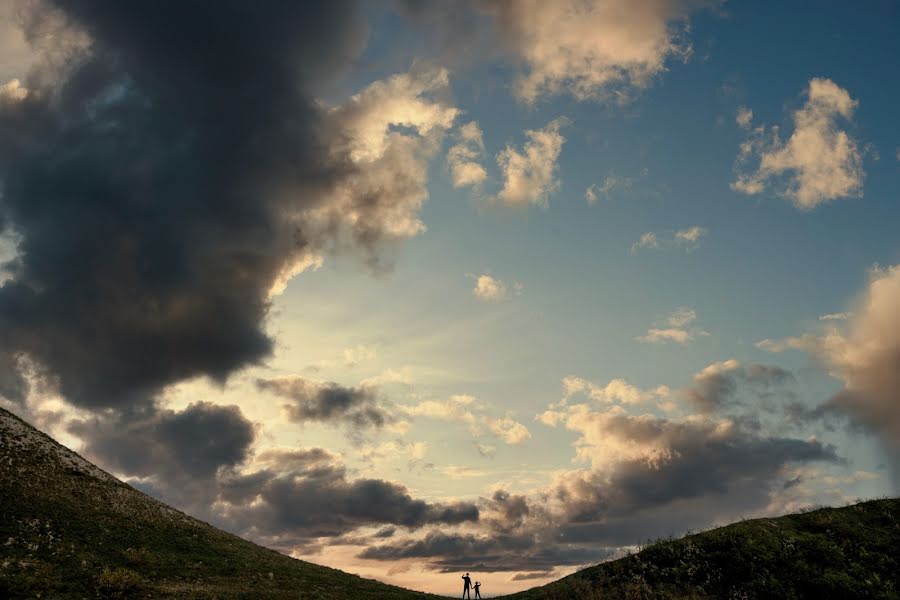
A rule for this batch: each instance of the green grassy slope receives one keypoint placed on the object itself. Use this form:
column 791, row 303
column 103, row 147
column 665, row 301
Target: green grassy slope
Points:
column 69, row 530
column 850, row 552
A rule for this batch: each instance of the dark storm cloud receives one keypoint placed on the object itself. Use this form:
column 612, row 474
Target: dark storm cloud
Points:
column 449, row 552
column 327, row 402
column 193, row 443
column 321, row 500
column 150, row 182
column 13, row 385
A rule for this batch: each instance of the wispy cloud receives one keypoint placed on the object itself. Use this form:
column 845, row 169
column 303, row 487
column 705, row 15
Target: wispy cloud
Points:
column 472, row 413
column 678, row 328
column 687, row 239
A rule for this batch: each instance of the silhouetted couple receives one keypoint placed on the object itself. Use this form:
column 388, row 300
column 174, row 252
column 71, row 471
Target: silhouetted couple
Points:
column 467, row 583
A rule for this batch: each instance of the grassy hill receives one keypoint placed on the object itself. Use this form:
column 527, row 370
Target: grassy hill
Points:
column 70, row 530
column 849, row 552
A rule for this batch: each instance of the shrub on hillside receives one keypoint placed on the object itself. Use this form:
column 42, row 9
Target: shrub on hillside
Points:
column 118, row 583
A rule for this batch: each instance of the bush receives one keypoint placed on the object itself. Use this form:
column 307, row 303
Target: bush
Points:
column 139, row 557
column 118, row 583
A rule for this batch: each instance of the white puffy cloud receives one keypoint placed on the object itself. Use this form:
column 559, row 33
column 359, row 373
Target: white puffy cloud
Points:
column 400, row 100
column 529, row 176
column 819, row 162
column 687, row 239
column 592, row 49
column 677, row 328
column 489, row 289
column 390, row 131
column 463, row 157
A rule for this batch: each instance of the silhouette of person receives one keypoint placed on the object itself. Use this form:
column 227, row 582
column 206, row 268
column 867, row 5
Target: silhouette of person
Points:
column 477, row 592
column 467, row 583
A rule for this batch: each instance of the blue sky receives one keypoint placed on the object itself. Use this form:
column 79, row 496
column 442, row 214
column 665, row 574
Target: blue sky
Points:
column 692, row 273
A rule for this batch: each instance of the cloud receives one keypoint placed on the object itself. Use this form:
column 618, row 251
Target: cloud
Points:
column 13, row 91
column 390, row 130
column 509, row 430
column 463, row 157
column 818, row 163
column 200, row 460
column 529, row 176
column 616, row 391
column 14, row 385
column 841, row 316
column 327, row 402
column 647, row 476
column 595, row 49
column 717, row 384
column 678, row 329
column 176, row 206
column 690, row 236
column 357, row 354
column 804, row 342
column 687, row 239
column 469, row 411
column 611, row 183
column 744, row 117
column 196, row 441
column 489, row 289
column 864, row 353
column 281, row 507
column 486, row 450
column 174, row 455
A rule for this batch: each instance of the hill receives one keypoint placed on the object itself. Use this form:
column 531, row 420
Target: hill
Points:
column 70, row 530
column 849, row 552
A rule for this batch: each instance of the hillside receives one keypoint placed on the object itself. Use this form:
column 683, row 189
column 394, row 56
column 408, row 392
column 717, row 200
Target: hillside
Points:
column 70, row 530
column 849, row 552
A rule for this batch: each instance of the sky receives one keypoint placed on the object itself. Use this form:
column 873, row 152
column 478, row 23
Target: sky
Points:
column 412, row 289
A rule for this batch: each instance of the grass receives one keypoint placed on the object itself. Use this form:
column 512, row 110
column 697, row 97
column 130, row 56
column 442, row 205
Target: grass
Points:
column 65, row 534
column 849, row 552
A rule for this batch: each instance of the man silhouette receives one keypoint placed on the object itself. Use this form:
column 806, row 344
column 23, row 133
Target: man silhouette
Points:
column 467, row 583
column 477, row 593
